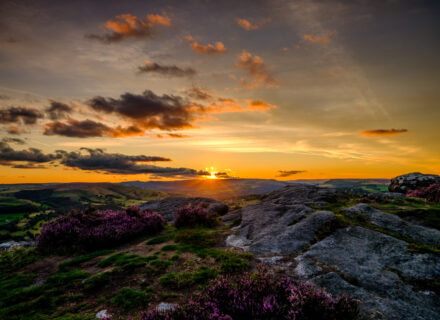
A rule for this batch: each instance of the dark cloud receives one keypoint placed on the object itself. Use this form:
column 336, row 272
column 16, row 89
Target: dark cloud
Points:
column 148, row 110
column 20, row 114
column 92, row 160
column 29, row 166
column 98, row 160
column 13, row 140
column 127, row 26
column 288, row 173
column 58, row 110
column 88, row 128
column 383, row 132
column 166, row 70
column 7, row 154
column 4, row 97
column 75, row 128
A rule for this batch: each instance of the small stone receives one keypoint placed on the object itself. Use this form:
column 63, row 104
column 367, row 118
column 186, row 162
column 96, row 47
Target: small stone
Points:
column 103, row 314
column 164, row 307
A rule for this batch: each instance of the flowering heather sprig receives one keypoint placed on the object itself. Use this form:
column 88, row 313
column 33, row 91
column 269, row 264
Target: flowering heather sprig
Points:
column 430, row 193
column 261, row 296
column 91, row 230
column 192, row 216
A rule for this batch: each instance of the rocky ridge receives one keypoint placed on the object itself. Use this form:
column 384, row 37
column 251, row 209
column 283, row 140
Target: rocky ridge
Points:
column 360, row 250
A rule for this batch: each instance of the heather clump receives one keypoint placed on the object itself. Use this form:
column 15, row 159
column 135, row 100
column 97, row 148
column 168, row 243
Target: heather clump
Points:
column 93, row 229
column 430, row 193
column 193, row 216
column 261, row 296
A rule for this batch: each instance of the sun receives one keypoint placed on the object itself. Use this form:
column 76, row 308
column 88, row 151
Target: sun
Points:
column 212, row 173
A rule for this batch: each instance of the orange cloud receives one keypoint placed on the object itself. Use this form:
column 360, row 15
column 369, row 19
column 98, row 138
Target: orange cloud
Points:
column 249, row 26
column 209, row 49
column 320, row 39
column 158, row 19
column 383, row 132
column 258, row 105
column 256, row 69
column 128, row 26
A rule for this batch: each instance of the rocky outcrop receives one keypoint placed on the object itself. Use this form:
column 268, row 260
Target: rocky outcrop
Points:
column 376, row 269
column 287, row 231
column 306, row 194
column 412, row 181
column 168, row 207
column 395, row 224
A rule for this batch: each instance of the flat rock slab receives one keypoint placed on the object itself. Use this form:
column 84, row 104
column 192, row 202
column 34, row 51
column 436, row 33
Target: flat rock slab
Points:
column 277, row 229
column 371, row 267
column 168, row 207
column 392, row 222
column 306, row 194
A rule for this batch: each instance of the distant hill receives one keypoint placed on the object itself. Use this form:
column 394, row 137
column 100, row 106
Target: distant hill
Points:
column 214, row 188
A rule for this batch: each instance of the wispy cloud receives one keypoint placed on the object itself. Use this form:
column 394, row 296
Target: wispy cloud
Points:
column 383, row 132
column 166, row 70
column 288, row 173
column 256, row 69
column 320, row 38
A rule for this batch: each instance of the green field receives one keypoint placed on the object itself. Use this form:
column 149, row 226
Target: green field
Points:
column 24, row 210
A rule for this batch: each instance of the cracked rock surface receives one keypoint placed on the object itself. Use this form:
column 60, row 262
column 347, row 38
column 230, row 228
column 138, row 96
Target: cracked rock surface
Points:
column 380, row 270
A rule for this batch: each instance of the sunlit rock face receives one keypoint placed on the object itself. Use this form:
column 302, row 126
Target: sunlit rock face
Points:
column 412, row 181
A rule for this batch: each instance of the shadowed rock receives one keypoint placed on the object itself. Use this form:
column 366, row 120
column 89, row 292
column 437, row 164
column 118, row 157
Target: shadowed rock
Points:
column 376, row 269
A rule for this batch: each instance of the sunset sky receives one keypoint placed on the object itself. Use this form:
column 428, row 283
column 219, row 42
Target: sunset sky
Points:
column 141, row 90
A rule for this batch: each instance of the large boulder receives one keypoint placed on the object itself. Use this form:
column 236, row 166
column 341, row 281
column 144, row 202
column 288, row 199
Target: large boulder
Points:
column 375, row 268
column 412, row 181
column 168, row 207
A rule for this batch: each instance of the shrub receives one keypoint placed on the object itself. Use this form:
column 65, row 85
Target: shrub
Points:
column 128, row 298
column 193, row 216
column 92, row 229
column 260, row 296
column 430, row 193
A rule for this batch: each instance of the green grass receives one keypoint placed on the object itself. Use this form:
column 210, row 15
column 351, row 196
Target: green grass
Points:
column 62, row 267
column 158, row 266
column 19, row 300
column 186, row 279
column 160, row 239
column 124, row 261
column 98, row 281
column 128, row 299
column 169, row 247
column 14, row 259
